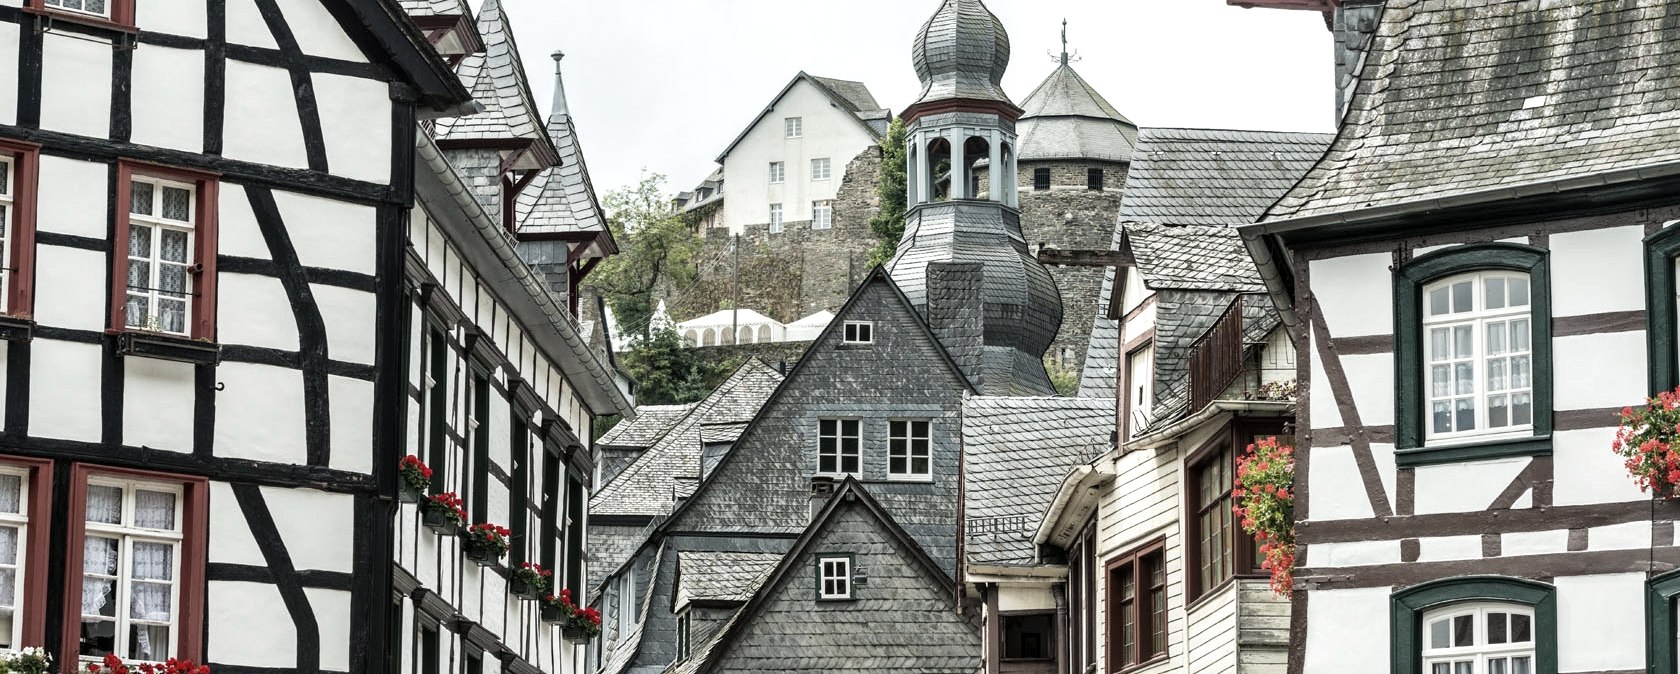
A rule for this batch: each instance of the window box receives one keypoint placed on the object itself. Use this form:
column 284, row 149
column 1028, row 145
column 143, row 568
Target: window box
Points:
column 14, row 329
column 519, row 587
column 575, row 635
column 168, row 347
column 481, row 556
column 553, row 614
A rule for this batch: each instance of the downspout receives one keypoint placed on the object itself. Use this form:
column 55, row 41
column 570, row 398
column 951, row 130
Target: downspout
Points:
column 1059, row 591
column 1271, row 273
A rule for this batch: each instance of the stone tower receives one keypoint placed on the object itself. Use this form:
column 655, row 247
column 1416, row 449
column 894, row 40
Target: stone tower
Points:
column 963, row 216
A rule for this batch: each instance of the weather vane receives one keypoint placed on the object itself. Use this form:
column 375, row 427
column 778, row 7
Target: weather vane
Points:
column 1065, row 58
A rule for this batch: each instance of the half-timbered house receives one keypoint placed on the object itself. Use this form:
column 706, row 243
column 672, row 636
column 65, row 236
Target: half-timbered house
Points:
column 227, row 246
column 1504, row 180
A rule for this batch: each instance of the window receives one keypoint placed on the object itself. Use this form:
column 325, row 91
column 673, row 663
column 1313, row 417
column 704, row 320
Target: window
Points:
column 478, row 473
column 822, row 214
column 683, row 636
column 166, row 281
column 907, row 449
column 820, row 169
column 794, row 126
column 119, row 12
column 1662, row 302
column 1475, row 625
column 437, row 392
column 19, row 163
column 1218, row 547
column 834, row 577
column 1041, row 179
column 1137, row 601
column 1662, row 630
column 858, row 332
column 1094, row 180
column 24, row 514
column 1473, row 355
column 1029, row 636
column 428, row 648
column 547, row 552
column 396, row 645
column 775, row 218
column 576, row 497
column 519, row 496
column 1140, row 381
column 473, row 663
column 838, row 446
column 138, row 539
column 626, row 601
column 778, row 172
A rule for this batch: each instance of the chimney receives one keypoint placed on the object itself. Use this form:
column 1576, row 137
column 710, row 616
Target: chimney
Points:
column 822, row 489
column 1354, row 23
column 956, row 313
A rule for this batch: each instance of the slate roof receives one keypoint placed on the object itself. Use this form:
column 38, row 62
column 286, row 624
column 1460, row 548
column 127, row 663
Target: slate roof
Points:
column 1457, row 98
column 1195, row 257
column 722, row 576
column 435, row 7
column 496, row 79
column 652, row 422
column 850, row 96
column 561, row 199
column 1184, row 177
column 647, row 485
column 961, row 53
column 1067, row 119
column 1016, row 452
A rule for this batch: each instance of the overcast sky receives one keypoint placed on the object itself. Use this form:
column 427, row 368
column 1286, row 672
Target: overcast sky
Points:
column 665, row 85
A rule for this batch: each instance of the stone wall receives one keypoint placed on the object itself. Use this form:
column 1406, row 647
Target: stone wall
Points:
column 1071, row 216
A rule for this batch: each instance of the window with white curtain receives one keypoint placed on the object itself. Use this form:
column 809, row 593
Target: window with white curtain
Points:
column 160, row 256
column 94, row 7
column 1477, row 348
column 131, row 563
column 14, row 532
column 1481, row 638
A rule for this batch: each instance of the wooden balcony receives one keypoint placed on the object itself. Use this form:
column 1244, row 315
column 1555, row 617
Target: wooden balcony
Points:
column 1216, row 359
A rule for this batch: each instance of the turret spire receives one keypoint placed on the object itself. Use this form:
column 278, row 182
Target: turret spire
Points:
column 1064, row 42
column 559, row 87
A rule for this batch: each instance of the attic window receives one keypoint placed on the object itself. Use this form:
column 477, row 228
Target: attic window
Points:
column 1041, row 179
column 795, row 127
column 834, row 578
column 1094, row 179
column 859, row 332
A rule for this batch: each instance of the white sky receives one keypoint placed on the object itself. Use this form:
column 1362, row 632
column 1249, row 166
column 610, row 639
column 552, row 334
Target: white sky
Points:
column 665, row 85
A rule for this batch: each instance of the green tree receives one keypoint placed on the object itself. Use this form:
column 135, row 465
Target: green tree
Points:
column 666, row 370
column 888, row 225
column 656, row 247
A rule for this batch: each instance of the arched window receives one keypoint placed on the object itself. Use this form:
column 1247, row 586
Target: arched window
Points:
column 726, row 336
column 1475, row 625
column 975, row 150
column 763, row 333
column 1479, row 638
column 746, row 336
column 939, row 168
column 709, row 338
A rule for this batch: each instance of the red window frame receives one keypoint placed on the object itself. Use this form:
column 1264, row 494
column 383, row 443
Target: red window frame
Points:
column 122, row 14
column 203, row 316
column 32, row 601
column 194, row 543
column 20, row 259
column 1144, row 619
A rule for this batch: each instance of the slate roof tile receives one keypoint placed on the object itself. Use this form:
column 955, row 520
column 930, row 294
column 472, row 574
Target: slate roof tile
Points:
column 561, row 199
column 1461, row 97
column 722, row 576
column 496, row 79
column 1067, row 119
column 1016, row 452
column 419, row 8
column 652, row 422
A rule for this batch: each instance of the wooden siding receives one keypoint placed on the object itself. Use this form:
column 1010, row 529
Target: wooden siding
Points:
column 1212, row 638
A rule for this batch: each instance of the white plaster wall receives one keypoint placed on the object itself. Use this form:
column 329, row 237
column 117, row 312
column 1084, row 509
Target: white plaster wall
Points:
column 1599, row 620
column 828, row 132
column 158, row 398
column 1518, row 543
column 245, row 25
column 9, row 76
column 332, row 616
column 1025, row 598
column 331, row 234
column 355, row 123
column 1597, row 271
column 1459, row 487
column 1346, row 629
column 1598, row 371
column 1587, row 471
column 259, row 415
column 351, row 403
column 1446, row 548
column 1371, row 379
column 75, row 96
column 168, row 95
column 237, row 611
column 1625, row 536
column 174, row 18
column 254, row 310
column 64, row 385
column 317, row 526
column 1336, row 488
column 260, row 123
column 230, row 535
column 317, row 32
column 1322, row 402
column 349, row 315
column 65, row 206
column 1135, row 292
column 1347, row 288
column 70, row 288
column 1357, row 553
column 237, row 233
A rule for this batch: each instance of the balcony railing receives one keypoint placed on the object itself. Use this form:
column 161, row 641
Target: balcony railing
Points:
column 1216, row 359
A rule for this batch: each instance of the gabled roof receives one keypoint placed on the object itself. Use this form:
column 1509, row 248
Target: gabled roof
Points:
column 1016, row 452
column 1195, row 257
column 851, row 97
column 409, row 51
column 710, row 576
column 1466, row 102
column 652, row 422
column 1066, row 118
column 497, row 81
column 1214, row 176
column 561, row 200
column 645, row 487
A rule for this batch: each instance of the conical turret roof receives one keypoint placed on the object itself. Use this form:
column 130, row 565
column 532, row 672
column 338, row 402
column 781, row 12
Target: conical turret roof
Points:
column 1066, row 118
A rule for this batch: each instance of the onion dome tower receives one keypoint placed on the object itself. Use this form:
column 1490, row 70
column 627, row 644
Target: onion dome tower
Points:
column 963, row 206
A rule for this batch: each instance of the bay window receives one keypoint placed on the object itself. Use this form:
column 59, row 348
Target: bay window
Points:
column 165, row 278
column 1218, row 549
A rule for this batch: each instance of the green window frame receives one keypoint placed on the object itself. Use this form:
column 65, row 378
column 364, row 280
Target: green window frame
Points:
column 1408, row 606
column 1409, row 399
column 1661, row 595
column 1662, row 330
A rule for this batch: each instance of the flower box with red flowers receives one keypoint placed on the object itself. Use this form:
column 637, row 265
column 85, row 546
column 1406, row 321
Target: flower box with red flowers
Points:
column 1264, row 498
column 485, row 543
column 576, row 624
column 529, row 580
column 443, row 513
column 1648, row 440
column 114, row 665
column 416, row 478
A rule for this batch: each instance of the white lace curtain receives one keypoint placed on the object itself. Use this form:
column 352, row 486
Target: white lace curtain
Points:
column 11, row 493
column 152, row 567
column 8, row 576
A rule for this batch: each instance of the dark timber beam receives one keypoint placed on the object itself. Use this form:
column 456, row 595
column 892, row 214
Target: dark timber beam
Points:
column 1085, row 258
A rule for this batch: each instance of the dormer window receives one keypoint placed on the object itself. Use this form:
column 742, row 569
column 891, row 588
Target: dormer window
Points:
column 859, row 332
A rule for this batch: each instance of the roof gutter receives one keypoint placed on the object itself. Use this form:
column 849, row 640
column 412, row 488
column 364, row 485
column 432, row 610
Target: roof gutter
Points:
column 1171, row 432
column 563, row 344
column 1077, row 485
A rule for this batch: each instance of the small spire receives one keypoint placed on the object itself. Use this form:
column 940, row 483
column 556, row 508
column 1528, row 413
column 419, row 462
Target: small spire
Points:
column 559, row 87
column 1064, row 42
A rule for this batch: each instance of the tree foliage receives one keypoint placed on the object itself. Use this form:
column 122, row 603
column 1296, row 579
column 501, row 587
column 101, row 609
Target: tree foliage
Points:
column 666, row 370
column 888, row 225
column 656, row 247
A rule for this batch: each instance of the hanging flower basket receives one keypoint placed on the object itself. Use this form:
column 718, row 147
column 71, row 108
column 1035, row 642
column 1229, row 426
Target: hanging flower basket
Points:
column 1264, row 499
column 443, row 513
column 416, row 478
column 485, row 543
column 1647, row 441
column 529, row 581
